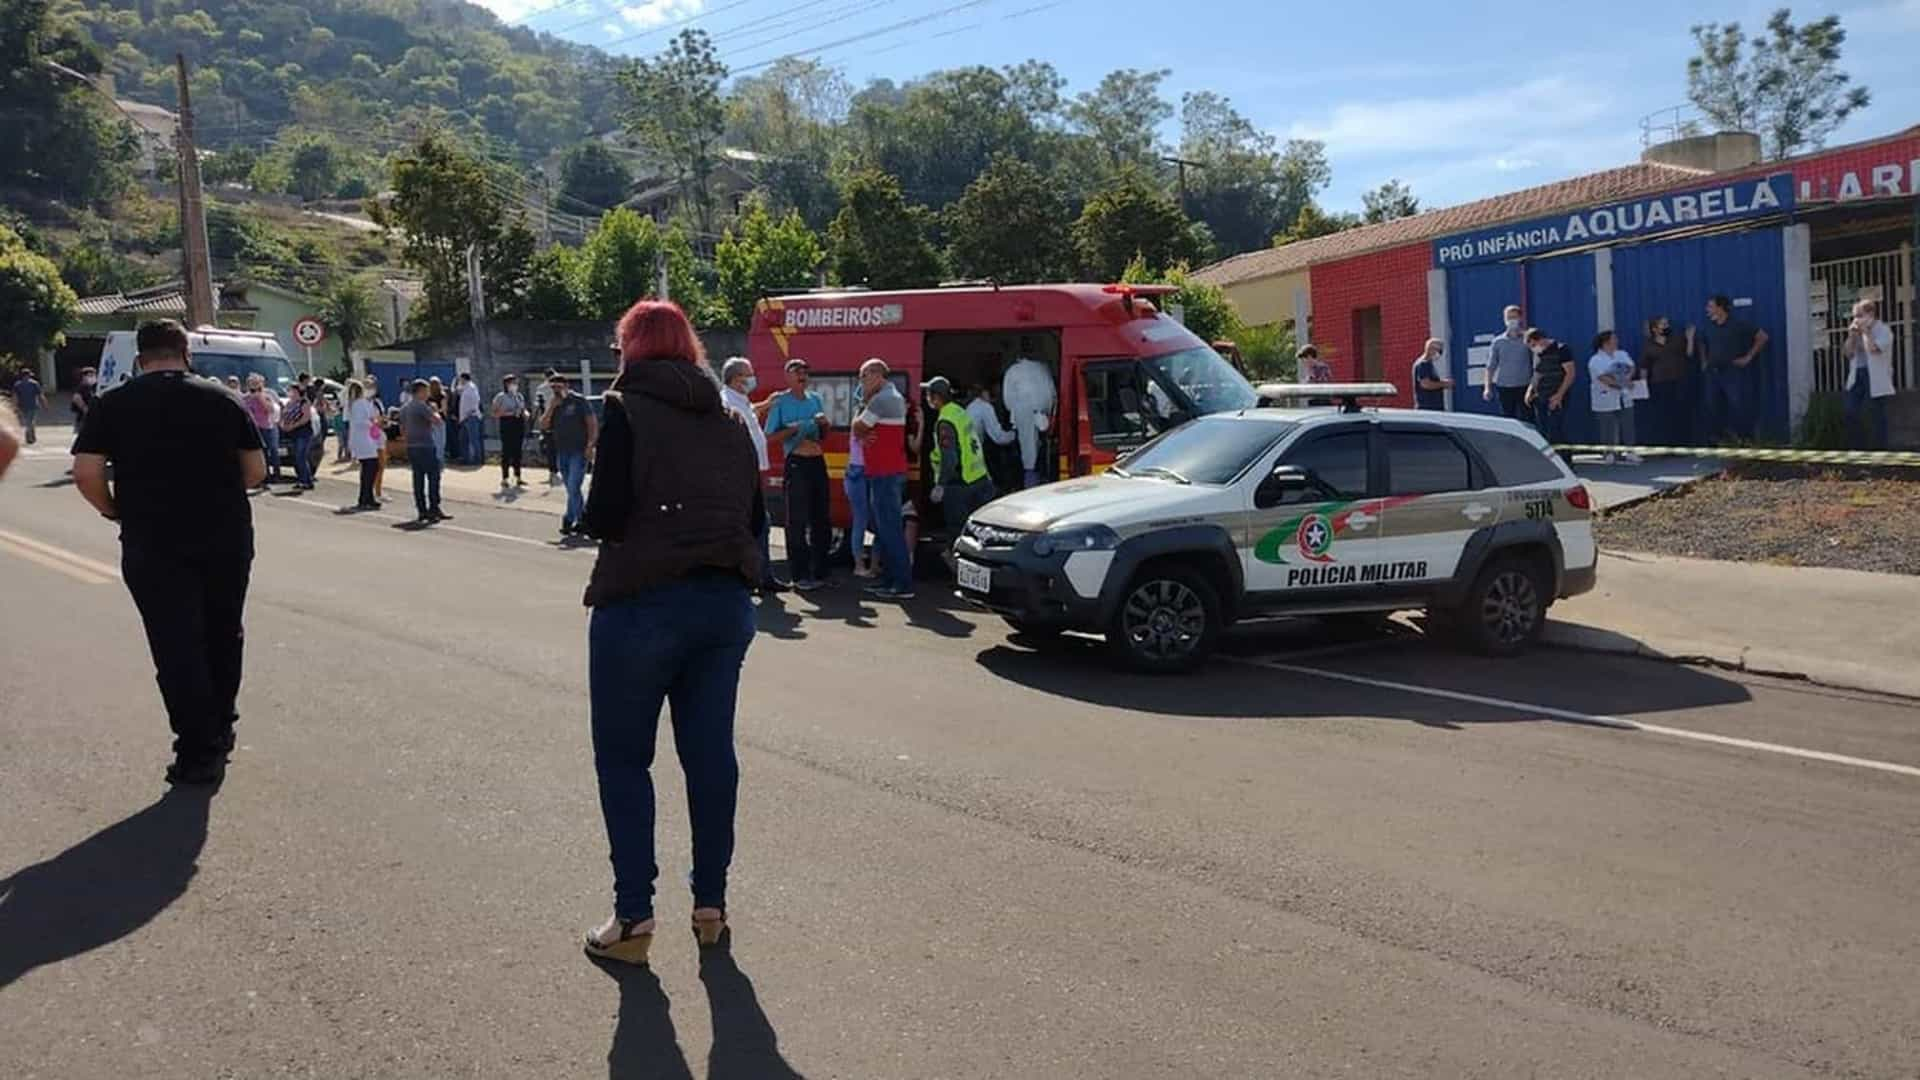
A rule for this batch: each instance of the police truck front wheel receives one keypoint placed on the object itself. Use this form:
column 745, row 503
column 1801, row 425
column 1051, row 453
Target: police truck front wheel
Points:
column 1167, row 620
column 1506, row 608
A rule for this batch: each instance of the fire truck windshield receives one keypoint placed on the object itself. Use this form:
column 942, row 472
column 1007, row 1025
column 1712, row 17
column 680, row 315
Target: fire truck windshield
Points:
column 1199, row 381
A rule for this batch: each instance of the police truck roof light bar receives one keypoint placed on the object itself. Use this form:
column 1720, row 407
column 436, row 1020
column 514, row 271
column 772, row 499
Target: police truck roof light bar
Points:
column 1348, row 394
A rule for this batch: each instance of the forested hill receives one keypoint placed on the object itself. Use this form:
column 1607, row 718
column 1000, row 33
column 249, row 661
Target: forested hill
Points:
column 370, row 71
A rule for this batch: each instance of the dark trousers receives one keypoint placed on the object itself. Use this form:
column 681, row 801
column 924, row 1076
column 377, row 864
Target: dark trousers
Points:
column 809, row 524
column 1551, row 423
column 1729, row 404
column 513, row 445
column 369, row 468
column 1666, row 422
column 300, row 445
column 191, row 604
column 681, row 644
column 1513, row 401
column 1869, row 411
column 425, row 461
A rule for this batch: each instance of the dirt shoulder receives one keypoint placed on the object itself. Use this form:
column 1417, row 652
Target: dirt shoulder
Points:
column 1782, row 515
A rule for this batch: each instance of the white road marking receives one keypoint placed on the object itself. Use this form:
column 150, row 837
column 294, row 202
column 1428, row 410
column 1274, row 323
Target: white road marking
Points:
column 52, row 562
column 62, row 553
column 1590, row 719
column 378, row 516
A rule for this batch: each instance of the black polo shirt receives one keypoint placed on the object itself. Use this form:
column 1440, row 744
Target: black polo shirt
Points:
column 175, row 440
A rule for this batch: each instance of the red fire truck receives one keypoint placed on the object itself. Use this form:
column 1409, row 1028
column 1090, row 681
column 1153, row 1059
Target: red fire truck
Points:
column 1124, row 371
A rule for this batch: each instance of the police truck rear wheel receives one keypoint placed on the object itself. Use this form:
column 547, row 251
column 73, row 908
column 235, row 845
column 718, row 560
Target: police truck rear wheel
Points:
column 1167, row 621
column 1506, row 610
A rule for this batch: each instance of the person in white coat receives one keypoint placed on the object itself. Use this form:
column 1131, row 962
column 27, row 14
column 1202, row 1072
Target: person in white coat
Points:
column 1027, row 389
column 1870, row 380
column 995, row 438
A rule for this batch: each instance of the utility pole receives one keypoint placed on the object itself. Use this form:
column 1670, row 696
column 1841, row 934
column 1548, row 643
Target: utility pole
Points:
column 477, row 312
column 1182, row 164
column 196, row 261
column 546, row 210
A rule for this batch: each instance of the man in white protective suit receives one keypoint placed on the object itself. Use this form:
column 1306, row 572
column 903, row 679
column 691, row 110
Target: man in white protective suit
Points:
column 1027, row 391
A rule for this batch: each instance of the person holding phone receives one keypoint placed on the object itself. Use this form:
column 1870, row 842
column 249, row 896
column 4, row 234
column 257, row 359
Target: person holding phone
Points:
column 1870, row 375
column 798, row 421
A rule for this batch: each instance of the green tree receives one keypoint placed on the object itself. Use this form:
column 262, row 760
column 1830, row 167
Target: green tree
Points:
column 1313, row 222
column 444, row 203
column 351, row 311
column 618, row 264
column 592, row 178
column 1128, row 218
column 1390, row 200
column 1011, row 225
column 59, row 138
column 1123, row 116
column 1203, row 308
column 762, row 253
column 878, row 240
column 314, row 167
column 940, row 132
column 673, row 107
column 35, row 305
column 551, row 285
column 1786, row 85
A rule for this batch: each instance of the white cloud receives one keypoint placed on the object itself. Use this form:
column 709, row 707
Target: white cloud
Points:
column 653, row 13
column 514, row 10
column 1514, row 164
column 1438, row 124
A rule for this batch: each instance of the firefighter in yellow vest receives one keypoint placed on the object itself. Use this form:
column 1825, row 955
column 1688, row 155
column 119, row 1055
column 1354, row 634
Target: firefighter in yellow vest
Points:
column 960, row 481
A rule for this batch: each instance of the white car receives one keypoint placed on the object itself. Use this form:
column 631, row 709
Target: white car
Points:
column 1318, row 511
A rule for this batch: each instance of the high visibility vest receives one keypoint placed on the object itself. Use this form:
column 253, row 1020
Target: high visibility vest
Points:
column 973, row 461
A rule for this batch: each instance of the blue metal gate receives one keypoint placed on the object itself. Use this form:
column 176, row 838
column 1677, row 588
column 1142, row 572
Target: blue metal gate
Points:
column 1475, row 297
column 1561, row 300
column 1675, row 277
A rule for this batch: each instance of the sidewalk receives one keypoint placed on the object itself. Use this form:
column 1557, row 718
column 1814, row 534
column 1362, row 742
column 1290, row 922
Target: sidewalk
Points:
column 1839, row 627
column 476, row 484
column 1616, row 487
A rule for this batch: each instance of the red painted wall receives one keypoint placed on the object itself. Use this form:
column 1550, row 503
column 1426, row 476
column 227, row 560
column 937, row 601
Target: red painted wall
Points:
column 1396, row 281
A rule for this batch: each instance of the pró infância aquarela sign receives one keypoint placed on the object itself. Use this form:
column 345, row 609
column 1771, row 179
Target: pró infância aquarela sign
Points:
column 1732, row 200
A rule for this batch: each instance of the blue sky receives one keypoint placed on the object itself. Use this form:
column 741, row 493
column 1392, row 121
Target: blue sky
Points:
column 1460, row 100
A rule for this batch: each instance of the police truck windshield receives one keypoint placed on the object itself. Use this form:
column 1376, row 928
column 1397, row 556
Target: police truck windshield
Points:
column 1206, row 451
column 1206, row 381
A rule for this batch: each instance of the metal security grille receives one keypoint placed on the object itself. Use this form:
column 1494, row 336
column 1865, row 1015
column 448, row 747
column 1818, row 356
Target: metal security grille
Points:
column 1886, row 277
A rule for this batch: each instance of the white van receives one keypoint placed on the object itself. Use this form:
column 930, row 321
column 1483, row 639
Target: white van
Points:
column 216, row 354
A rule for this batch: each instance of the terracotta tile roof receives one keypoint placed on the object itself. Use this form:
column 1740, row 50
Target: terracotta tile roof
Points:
column 1622, row 183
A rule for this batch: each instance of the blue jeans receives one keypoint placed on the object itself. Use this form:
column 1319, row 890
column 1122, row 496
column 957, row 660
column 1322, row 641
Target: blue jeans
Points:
column 573, row 469
column 857, row 502
column 886, row 494
column 440, row 441
column 1729, row 404
column 28, row 416
column 1860, row 399
column 270, row 442
column 300, row 444
column 683, row 644
column 473, row 433
column 425, row 461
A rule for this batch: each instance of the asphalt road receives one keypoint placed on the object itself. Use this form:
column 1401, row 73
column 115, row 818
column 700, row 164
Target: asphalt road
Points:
column 960, row 855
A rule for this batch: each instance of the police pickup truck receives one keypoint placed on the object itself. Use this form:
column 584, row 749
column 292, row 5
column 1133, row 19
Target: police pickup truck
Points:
column 1292, row 511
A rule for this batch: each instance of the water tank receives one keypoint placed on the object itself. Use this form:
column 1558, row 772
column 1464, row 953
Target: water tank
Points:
column 1719, row 152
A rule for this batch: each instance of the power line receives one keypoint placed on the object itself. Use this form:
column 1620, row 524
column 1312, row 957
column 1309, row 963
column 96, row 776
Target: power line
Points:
column 608, row 46
column 868, row 35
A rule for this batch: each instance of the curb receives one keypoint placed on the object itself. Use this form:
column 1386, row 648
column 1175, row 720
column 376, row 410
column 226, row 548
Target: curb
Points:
column 1839, row 674
column 452, row 494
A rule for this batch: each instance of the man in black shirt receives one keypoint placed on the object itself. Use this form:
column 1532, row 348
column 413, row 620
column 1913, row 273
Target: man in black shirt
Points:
column 184, row 454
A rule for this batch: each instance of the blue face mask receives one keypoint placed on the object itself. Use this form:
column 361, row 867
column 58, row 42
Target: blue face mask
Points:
column 750, row 385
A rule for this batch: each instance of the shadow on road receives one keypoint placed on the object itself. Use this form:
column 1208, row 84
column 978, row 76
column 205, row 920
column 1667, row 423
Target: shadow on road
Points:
column 1081, row 668
column 644, row 1044
column 103, row 888
column 745, row 1046
column 646, row 1047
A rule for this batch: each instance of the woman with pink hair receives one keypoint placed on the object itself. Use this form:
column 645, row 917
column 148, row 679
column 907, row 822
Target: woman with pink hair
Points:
column 674, row 499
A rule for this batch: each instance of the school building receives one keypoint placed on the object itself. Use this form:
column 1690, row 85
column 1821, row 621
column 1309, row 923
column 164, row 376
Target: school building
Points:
column 1793, row 243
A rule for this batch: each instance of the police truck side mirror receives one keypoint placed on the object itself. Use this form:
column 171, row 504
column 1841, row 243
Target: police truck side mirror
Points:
column 1281, row 482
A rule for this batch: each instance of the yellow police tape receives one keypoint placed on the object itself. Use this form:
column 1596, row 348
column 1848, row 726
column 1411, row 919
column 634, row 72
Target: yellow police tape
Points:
column 1895, row 458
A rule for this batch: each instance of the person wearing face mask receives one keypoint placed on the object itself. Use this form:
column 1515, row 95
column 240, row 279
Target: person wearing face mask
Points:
column 1870, row 376
column 1663, row 364
column 1430, row 382
column 736, row 383
column 1509, row 368
column 1546, row 389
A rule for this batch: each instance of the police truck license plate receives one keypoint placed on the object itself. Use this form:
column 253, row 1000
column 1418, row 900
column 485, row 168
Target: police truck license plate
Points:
column 974, row 577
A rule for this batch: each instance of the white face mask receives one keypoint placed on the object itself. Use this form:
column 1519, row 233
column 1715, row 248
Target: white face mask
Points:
column 1513, row 326
column 750, row 385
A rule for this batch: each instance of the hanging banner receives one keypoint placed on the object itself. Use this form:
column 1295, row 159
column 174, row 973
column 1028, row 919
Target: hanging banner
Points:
column 1731, row 200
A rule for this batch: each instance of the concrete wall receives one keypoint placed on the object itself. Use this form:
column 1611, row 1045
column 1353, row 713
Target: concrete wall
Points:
column 1267, row 301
